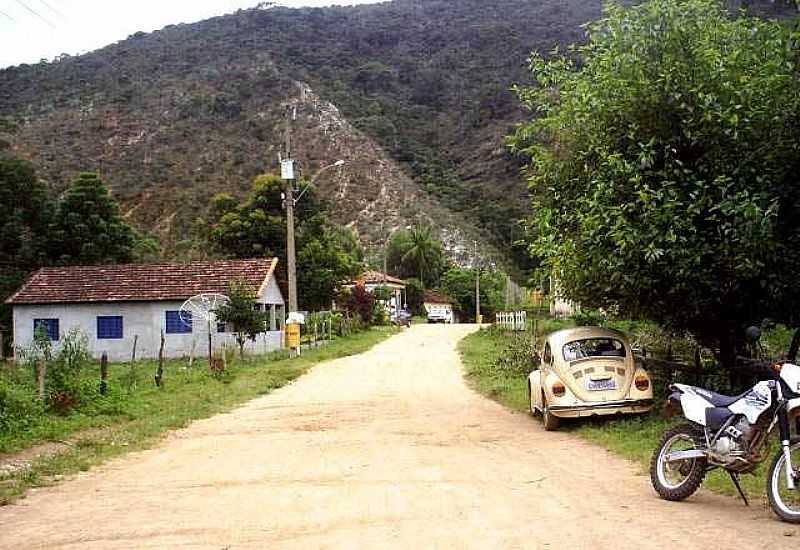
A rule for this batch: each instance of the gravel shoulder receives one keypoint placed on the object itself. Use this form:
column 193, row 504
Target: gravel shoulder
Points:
column 387, row 449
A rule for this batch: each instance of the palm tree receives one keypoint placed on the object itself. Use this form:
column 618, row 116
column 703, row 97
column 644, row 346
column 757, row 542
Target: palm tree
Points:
column 424, row 254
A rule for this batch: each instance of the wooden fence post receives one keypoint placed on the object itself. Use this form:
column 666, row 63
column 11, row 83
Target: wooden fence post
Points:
column 103, row 373
column 41, row 373
column 160, row 372
column 133, row 353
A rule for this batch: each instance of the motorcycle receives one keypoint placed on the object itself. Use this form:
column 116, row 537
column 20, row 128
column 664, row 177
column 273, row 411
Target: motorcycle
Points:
column 731, row 433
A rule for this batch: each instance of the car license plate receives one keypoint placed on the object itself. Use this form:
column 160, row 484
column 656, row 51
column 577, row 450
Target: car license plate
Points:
column 600, row 385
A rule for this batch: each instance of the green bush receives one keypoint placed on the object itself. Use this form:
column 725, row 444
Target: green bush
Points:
column 19, row 407
column 517, row 359
column 590, row 318
column 65, row 389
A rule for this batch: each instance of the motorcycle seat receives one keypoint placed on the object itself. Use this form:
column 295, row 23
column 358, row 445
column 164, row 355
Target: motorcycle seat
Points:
column 719, row 400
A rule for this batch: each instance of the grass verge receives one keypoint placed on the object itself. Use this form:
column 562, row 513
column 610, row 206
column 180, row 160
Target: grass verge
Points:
column 633, row 438
column 136, row 417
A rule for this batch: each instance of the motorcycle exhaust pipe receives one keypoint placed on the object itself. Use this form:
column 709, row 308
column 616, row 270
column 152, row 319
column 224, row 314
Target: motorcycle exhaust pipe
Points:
column 676, row 456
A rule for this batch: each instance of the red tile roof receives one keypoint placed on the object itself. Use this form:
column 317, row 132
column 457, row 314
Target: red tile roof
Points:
column 376, row 277
column 140, row 282
column 434, row 297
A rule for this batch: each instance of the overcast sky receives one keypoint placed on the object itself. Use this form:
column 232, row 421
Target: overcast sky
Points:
column 31, row 30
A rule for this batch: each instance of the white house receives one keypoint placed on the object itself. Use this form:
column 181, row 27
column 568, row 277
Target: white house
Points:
column 560, row 307
column 113, row 305
column 396, row 287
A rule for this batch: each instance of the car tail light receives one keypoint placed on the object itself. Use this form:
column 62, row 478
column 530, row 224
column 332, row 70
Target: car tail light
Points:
column 558, row 389
column 642, row 383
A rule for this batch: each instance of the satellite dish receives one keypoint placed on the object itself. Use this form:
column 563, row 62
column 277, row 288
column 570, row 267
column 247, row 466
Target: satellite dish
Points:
column 203, row 307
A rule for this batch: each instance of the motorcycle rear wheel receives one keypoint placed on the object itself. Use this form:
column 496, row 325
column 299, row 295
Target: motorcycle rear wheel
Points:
column 677, row 480
column 785, row 502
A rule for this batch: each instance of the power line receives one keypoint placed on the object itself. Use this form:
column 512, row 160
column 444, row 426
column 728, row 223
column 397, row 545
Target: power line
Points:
column 4, row 14
column 52, row 9
column 34, row 12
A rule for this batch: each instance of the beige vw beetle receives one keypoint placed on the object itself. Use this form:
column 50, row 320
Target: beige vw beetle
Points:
column 587, row 371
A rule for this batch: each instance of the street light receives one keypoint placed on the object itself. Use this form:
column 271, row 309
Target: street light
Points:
column 315, row 176
column 291, row 267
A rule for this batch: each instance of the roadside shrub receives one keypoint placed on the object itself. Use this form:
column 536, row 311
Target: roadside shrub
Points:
column 590, row 318
column 359, row 302
column 41, row 349
column 65, row 388
column 516, row 360
column 380, row 317
column 19, row 407
column 345, row 324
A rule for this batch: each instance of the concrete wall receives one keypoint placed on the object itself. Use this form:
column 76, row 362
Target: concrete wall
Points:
column 145, row 319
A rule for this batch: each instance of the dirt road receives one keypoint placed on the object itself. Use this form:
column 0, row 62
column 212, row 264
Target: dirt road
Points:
column 388, row 449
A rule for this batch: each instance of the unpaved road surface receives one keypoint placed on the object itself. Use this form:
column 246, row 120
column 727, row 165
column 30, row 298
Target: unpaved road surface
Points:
column 388, row 449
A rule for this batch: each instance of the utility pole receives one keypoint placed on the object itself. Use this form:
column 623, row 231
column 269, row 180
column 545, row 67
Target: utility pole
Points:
column 385, row 246
column 288, row 177
column 477, row 286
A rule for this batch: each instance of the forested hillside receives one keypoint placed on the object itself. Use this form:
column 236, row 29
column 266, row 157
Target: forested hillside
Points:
column 418, row 94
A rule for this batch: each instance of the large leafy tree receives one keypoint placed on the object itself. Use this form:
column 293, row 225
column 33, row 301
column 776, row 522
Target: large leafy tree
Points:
column 327, row 255
column 459, row 284
column 88, row 227
column 664, row 165
column 256, row 226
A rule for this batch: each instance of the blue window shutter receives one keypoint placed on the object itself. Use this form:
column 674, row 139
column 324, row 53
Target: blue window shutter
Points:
column 50, row 327
column 176, row 325
column 109, row 327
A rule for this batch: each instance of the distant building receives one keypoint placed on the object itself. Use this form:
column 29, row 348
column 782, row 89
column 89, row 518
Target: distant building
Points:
column 113, row 305
column 560, row 307
column 439, row 307
column 375, row 279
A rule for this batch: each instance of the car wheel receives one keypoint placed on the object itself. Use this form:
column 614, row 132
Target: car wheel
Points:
column 551, row 423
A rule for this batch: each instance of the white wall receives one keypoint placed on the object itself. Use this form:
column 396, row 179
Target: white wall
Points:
column 145, row 319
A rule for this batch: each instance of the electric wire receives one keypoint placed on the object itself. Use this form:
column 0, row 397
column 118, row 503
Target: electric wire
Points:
column 37, row 14
column 52, row 9
column 4, row 14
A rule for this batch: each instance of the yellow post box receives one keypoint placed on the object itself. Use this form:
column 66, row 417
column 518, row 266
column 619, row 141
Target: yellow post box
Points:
column 292, row 335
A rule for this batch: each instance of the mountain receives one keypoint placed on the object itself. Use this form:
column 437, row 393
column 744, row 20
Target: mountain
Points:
column 413, row 94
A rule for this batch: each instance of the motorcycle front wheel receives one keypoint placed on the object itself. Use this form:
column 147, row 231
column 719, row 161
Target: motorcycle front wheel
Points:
column 680, row 479
column 785, row 501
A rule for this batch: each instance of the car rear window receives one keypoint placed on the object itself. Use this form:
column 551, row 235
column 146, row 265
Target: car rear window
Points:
column 593, row 347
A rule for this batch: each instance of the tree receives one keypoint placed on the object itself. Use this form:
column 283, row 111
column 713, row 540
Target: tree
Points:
column 254, row 227
column 416, row 252
column 27, row 212
column 88, row 227
column 241, row 313
column 415, row 296
column 327, row 255
column 398, row 245
column 459, row 284
column 663, row 168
